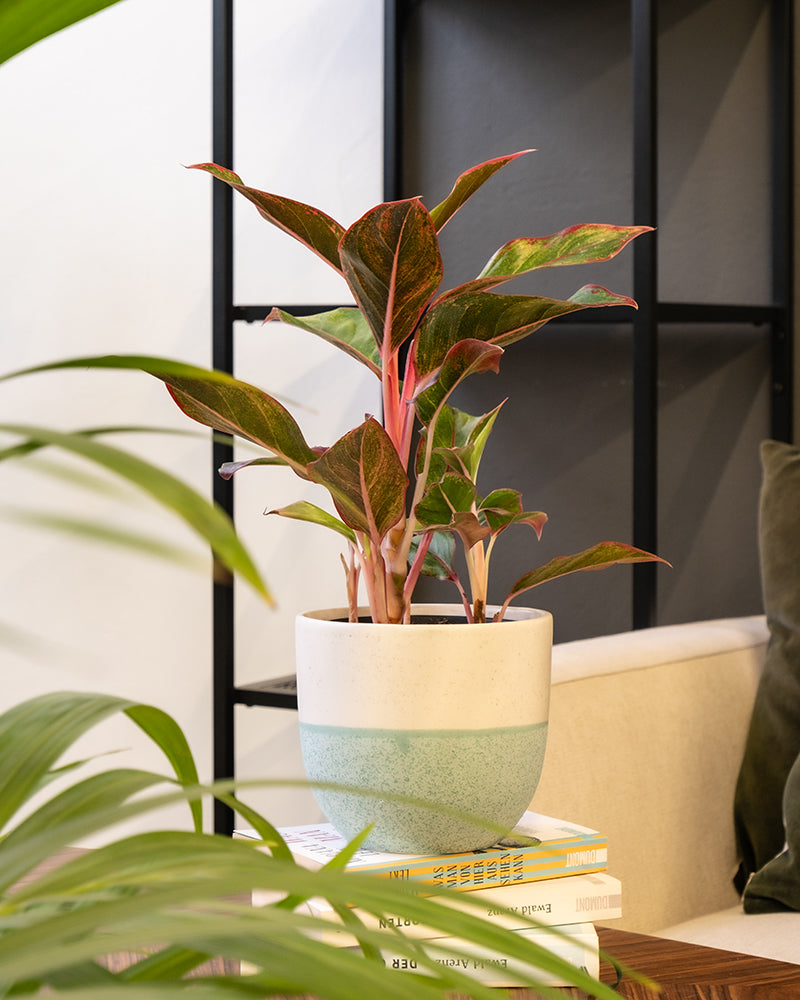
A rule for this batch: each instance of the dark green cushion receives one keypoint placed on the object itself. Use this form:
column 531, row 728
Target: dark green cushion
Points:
column 776, row 885
column 773, row 741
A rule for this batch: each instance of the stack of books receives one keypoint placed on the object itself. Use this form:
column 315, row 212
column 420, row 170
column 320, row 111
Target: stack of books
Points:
column 549, row 870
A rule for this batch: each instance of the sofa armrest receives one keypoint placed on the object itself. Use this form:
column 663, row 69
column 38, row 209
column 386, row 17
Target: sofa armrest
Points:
column 646, row 735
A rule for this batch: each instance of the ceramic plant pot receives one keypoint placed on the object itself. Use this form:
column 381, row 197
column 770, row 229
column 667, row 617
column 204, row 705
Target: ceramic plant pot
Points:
column 454, row 714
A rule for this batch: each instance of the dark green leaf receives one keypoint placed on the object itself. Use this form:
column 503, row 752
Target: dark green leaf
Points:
column 440, row 557
column 503, row 507
column 448, row 505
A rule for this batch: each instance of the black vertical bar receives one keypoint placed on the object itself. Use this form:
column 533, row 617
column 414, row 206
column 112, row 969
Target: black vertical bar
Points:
column 782, row 97
column 644, row 56
column 392, row 99
column 222, row 358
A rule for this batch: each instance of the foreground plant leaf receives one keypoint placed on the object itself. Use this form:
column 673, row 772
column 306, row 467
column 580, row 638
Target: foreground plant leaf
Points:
column 208, row 520
column 170, row 891
column 25, row 22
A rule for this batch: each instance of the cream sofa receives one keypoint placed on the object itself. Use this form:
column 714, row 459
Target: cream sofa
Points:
column 647, row 731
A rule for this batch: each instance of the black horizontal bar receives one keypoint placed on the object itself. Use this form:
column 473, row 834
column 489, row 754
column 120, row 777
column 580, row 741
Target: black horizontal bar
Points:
column 253, row 314
column 666, row 312
column 277, row 692
column 701, row 312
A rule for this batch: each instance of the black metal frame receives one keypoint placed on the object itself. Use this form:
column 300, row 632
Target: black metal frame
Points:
column 777, row 317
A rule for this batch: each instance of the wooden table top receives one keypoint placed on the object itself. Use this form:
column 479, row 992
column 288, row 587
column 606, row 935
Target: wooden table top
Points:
column 691, row 972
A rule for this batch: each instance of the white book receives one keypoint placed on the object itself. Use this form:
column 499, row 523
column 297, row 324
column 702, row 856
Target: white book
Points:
column 579, row 947
column 572, row 899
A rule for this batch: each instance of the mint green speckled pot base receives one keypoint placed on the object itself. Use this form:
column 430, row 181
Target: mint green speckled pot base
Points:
column 440, row 710
column 486, row 772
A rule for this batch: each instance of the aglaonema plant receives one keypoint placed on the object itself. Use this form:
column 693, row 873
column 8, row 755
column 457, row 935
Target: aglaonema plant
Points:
column 405, row 484
column 401, row 508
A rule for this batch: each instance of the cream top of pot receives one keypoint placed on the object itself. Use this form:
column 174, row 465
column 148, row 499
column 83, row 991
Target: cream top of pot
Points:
column 424, row 676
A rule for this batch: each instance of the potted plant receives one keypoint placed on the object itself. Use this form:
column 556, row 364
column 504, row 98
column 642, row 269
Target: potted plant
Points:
column 427, row 711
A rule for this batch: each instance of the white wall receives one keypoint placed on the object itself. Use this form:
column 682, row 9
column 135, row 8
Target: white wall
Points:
column 106, row 248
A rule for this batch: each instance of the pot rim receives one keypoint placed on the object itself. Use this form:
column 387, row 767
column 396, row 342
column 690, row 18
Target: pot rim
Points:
column 338, row 617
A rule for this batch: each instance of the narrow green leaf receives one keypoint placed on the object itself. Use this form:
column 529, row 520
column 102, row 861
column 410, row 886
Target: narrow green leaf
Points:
column 98, row 792
column 302, row 510
column 313, row 228
column 103, row 534
column 209, row 521
column 466, row 185
column 168, row 736
column 25, row 22
column 392, row 265
column 365, row 477
column 345, row 328
column 46, row 727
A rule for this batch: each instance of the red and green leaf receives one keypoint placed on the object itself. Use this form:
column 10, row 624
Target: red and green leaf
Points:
column 598, row 556
column 466, row 185
column 449, row 506
column 496, row 319
column 313, row 228
column 392, row 264
column 365, row 478
column 590, row 243
column 503, row 507
column 247, row 411
column 465, row 358
column 440, row 557
column 302, row 510
column 345, row 328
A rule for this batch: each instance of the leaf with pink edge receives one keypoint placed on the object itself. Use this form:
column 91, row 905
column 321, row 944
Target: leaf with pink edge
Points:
column 313, row 228
column 503, row 507
column 302, row 510
column 365, row 478
column 344, row 328
column 590, row 243
column 598, row 556
column 467, row 184
column 495, row 319
column 392, row 264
